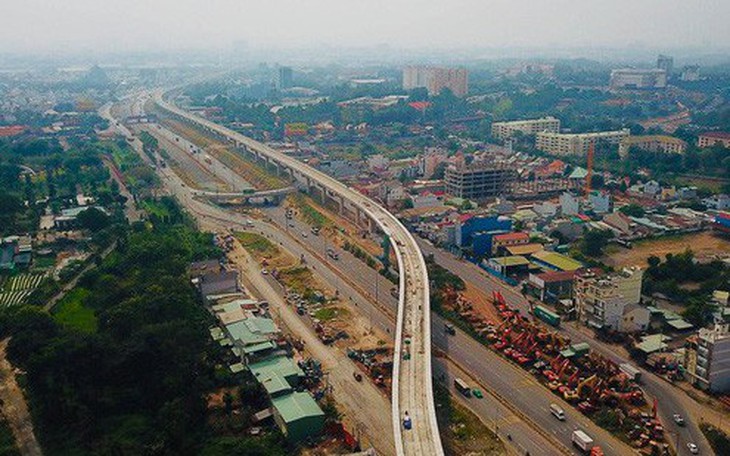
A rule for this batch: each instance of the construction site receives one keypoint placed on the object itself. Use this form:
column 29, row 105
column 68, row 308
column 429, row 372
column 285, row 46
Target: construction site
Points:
column 608, row 393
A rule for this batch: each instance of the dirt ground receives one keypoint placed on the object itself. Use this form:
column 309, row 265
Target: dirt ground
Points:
column 705, row 245
column 14, row 407
column 481, row 302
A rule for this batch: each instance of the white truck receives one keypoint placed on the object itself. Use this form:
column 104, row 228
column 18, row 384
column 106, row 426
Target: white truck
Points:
column 582, row 440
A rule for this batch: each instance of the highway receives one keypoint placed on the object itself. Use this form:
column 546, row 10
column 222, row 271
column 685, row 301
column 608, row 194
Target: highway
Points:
column 523, row 404
column 670, row 399
column 412, row 381
column 523, row 401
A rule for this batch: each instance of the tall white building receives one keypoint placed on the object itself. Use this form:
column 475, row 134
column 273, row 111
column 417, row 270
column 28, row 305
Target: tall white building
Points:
column 631, row 78
column 576, row 143
column 505, row 130
column 435, row 79
column 711, row 368
column 601, row 299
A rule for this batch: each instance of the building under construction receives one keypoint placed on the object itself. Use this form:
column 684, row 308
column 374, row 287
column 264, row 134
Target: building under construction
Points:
column 479, row 182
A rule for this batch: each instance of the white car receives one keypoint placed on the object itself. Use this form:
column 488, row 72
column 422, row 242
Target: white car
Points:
column 678, row 419
column 693, row 448
column 264, row 271
column 304, row 234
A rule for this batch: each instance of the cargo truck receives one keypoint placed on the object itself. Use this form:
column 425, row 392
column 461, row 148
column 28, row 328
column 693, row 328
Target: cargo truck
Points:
column 545, row 315
column 582, row 440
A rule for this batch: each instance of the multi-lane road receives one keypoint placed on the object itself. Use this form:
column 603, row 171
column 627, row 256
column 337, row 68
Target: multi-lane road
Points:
column 412, row 381
column 514, row 386
column 670, row 399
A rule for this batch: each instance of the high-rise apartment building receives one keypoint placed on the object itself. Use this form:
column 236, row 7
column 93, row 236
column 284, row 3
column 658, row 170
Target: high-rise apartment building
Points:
column 435, row 79
column 709, row 363
column 652, row 143
column 631, row 78
column 505, row 130
column 601, row 299
column 284, row 78
column 666, row 63
column 576, row 143
column 690, row 73
column 480, row 182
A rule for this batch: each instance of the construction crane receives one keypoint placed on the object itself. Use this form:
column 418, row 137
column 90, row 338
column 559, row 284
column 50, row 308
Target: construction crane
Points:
column 589, row 173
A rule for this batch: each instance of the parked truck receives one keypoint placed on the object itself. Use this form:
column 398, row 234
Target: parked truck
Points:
column 545, row 315
column 582, row 440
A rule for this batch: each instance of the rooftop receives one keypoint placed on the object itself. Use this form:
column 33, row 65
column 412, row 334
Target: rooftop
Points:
column 514, row 260
column 716, row 134
column 525, row 249
column 506, row 237
column 295, row 406
column 557, row 260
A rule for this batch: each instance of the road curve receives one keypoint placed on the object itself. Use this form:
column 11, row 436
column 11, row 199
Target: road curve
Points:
column 412, row 382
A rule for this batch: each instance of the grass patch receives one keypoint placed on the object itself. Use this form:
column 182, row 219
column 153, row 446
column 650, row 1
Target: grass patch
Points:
column 257, row 244
column 309, row 213
column 299, row 279
column 461, row 430
column 153, row 207
column 329, row 313
column 44, row 262
column 72, row 312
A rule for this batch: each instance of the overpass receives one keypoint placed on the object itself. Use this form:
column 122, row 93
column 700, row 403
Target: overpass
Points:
column 412, row 382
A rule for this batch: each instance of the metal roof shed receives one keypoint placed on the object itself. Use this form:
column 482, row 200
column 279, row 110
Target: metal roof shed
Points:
column 298, row 415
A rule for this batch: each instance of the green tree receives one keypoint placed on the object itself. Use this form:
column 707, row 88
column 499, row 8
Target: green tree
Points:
column 594, row 241
column 93, row 219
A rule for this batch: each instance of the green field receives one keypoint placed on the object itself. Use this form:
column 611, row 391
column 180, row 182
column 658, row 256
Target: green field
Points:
column 153, row 207
column 72, row 312
column 257, row 244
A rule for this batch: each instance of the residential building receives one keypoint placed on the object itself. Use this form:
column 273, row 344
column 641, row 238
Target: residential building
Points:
column 435, row 79
column 552, row 286
column 431, row 159
column 632, row 78
column 635, row 318
column 15, row 251
column 569, row 204
column 712, row 369
column 690, row 73
column 652, row 143
column 711, row 138
column 505, row 130
column 215, row 283
column 666, row 63
column 600, row 201
column 720, row 202
column 284, row 78
column 479, row 183
column 576, row 143
column 601, row 299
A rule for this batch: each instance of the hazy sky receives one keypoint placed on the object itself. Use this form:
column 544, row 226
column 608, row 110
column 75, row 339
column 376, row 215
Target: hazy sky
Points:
column 118, row 25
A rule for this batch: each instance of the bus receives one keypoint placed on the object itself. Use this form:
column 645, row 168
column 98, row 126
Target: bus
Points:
column 462, row 387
